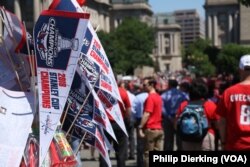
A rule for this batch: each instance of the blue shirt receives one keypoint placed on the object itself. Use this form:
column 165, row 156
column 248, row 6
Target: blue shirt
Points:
column 172, row 99
column 138, row 104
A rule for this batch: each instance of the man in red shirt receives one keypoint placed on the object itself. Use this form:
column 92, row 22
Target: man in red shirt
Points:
column 122, row 145
column 234, row 109
column 150, row 127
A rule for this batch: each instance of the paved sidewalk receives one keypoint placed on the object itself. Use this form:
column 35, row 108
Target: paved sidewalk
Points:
column 87, row 162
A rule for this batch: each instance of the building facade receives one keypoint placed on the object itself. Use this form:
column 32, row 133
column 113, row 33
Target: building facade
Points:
column 167, row 53
column 192, row 26
column 107, row 15
column 29, row 11
column 99, row 13
column 130, row 8
column 25, row 10
column 227, row 21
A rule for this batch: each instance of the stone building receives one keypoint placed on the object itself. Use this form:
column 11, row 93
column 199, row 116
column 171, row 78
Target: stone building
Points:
column 130, row 8
column 99, row 13
column 25, row 10
column 192, row 25
column 29, row 11
column 107, row 15
column 227, row 21
column 167, row 53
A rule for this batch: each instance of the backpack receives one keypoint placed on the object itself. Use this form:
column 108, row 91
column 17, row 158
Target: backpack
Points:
column 192, row 125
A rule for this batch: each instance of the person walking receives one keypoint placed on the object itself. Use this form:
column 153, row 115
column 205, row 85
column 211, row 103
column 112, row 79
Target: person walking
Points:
column 150, row 127
column 234, row 110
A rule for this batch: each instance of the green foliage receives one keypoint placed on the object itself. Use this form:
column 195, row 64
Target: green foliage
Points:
column 212, row 53
column 228, row 58
column 199, row 44
column 196, row 56
column 200, row 62
column 208, row 59
column 245, row 2
column 129, row 46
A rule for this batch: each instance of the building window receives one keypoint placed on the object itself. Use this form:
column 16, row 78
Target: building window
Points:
column 167, row 67
column 167, row 50
column 166, row 35
column 127, row 1
column 165, row 21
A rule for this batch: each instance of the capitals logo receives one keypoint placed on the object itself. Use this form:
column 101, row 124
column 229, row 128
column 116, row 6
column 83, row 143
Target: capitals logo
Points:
column 49, row 42
column 47, row 126
column 88, row 68
column 87, row 41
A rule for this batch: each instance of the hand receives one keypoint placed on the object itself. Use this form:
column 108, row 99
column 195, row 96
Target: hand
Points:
column 141, row 133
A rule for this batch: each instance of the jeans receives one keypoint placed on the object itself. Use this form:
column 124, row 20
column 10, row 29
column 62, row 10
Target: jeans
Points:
column 170, row 135
column 130, row 126
column 140, row 145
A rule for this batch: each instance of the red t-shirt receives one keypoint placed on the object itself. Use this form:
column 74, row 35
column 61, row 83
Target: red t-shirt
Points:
column 125, row 99
column 153, row 105
column 209, row 108
column 234, row 106
column 126, row 103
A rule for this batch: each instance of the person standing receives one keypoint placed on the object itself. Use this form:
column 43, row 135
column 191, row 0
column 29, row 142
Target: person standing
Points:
column 122, row 139
column 138, row 107
column 234, row 110
column 172, row 99
column 150, row 127
column 198, row 93
column 131, row 127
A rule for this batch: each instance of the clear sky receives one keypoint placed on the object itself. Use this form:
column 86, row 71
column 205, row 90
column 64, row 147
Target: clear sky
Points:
column 159, row 6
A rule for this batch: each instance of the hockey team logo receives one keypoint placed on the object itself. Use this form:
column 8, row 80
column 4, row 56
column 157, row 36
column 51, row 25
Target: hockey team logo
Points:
column 50, row 42
column 47, row 125
column 87, row 123
column 87, row 41
column 88, row 68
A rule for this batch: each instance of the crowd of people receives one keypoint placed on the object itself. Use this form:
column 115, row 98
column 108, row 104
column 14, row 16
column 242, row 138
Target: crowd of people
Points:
column 154, row 109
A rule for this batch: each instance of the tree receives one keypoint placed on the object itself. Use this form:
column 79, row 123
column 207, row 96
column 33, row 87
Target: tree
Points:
column 228, row 58
column 245, row 2
column 204, row 46
column 200, row 64
column 129, row 46
column 196, row 57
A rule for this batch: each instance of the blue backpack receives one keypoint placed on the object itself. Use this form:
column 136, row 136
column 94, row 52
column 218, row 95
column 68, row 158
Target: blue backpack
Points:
column 192, row 125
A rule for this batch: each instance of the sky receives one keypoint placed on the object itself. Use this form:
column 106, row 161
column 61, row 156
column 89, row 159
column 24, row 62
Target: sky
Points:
column 159, row 6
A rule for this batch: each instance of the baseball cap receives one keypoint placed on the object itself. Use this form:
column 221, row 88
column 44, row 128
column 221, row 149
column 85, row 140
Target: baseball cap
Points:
column 244, row 61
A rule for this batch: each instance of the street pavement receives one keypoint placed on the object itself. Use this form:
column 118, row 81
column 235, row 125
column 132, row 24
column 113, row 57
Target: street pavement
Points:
column 88, row 162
